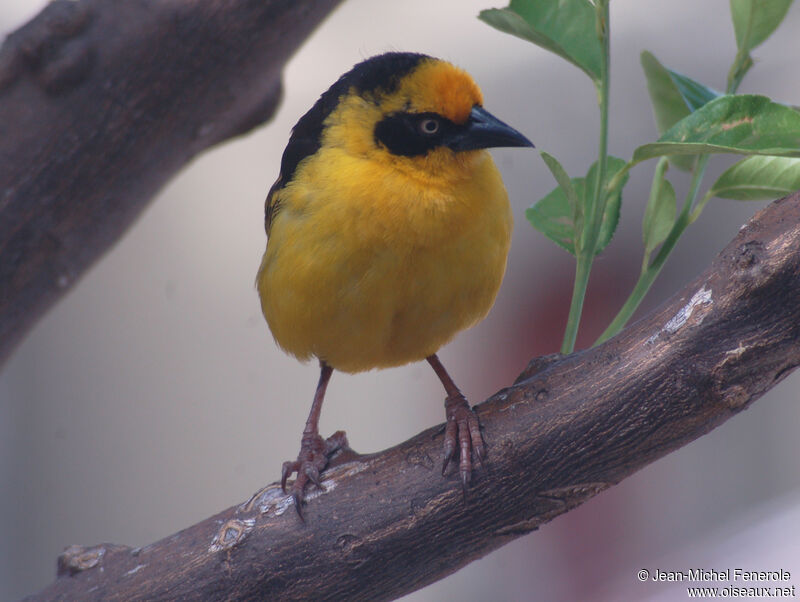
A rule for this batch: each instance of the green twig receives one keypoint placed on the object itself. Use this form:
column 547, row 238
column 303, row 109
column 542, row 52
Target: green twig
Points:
column 594, row 213
column 650, row 273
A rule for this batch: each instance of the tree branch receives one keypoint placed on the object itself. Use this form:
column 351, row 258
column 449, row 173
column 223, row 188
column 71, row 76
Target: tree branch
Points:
column 101, row 103
column 570, row 427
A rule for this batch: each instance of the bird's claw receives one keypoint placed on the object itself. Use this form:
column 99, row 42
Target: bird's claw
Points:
column 462, row 432
column 287, row 469
column 311, row 461
column 312, row 472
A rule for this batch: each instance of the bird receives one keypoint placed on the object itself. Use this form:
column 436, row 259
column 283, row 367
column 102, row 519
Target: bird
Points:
column 388, row 231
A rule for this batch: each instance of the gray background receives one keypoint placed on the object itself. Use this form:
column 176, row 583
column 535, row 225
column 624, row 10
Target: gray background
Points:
column 153, row 395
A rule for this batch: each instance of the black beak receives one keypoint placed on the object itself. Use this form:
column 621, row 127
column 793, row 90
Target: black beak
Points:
column 484, row 130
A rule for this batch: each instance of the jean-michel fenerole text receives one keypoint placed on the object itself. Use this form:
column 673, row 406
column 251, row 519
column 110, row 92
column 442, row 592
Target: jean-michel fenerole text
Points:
column 721, row 575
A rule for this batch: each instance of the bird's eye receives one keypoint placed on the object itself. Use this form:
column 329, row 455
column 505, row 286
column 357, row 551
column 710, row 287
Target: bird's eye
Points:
column 429, row 126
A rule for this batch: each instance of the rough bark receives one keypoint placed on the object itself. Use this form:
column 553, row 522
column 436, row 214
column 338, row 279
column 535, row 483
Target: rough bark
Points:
column 570, row 427
column 101, row 103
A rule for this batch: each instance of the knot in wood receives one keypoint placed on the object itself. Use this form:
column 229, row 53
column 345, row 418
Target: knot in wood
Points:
column 419, row 457
column 69, row 68
column 353, row 549
column 51, row 48
column 76, row 559
column 265, row 499
column 347, row 541
column 537, row 365
column 232, row 533
column 735, row 397
column 65, row 18
column 749, row 255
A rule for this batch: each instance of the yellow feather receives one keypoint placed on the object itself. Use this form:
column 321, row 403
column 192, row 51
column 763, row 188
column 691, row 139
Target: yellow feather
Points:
column 377, row 260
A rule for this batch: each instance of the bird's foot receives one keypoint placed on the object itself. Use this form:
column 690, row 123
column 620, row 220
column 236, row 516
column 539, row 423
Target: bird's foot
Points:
column 311, row 461
column 462, row 432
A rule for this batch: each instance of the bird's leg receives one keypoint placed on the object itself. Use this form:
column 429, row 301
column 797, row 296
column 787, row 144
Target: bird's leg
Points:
column 314, row 450
column 462, row 429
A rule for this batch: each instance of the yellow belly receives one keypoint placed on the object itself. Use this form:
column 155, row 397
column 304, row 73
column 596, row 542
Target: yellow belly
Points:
column 371, row 276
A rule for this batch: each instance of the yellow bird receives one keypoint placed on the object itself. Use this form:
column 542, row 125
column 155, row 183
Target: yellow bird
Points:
column 388, row 231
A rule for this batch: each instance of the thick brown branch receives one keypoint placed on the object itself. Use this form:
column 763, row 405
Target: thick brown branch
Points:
column 570, row 427
column 101, row 102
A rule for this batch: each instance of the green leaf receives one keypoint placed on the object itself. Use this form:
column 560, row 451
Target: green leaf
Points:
column 608, row 225
column 659, row 216
column 694, row 93
column 755, row 20
column 673, row 96
column 561, row 176
column 553, row 215
column 758, row 179
column 669, row 106
column 565, row 27
column 744, row 124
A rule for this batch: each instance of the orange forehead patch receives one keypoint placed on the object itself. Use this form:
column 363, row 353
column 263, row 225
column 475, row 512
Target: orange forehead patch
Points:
column 442, row 88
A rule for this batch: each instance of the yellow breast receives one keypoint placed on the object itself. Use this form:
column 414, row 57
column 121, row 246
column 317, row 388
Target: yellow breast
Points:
column 372, row 262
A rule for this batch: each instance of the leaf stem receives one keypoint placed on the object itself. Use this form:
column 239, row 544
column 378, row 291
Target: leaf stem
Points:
column 650, row 272
column 741, row 65
column 594, row 213
column 582, row 268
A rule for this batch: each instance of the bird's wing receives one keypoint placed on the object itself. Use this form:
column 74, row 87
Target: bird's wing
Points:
column 271, row 205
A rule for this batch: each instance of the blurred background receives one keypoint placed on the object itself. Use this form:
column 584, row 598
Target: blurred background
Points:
column 153, row 396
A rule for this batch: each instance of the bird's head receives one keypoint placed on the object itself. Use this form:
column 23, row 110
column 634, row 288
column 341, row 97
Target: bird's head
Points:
column 401, row 108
